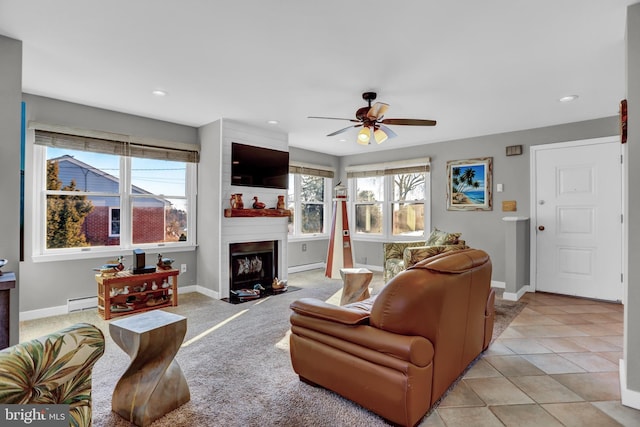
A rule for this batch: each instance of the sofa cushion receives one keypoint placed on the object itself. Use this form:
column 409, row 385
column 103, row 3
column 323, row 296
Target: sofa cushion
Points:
column 439, row 237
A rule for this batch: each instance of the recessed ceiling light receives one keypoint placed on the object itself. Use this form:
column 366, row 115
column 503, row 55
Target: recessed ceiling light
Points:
column 568, row 98
column 159, row 92
column 273, row 122
column 342, row 140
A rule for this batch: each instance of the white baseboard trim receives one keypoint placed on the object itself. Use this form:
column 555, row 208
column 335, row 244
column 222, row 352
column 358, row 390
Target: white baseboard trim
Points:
column 496, row 284
column 511, row 296
column 306, row 267
column 630, row 398
column 205, row 291
column 43, row 312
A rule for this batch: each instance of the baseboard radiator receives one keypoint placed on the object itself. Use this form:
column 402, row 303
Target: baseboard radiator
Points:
column 83, row 303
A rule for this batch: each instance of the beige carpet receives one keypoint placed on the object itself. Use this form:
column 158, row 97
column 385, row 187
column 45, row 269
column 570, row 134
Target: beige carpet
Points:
column 239, row 373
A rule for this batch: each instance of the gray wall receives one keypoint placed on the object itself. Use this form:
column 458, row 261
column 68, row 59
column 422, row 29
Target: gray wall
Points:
column 49, row 284
column 209, row 184
column 484, row 230
column 316, row 250
column 10, row 98
column 632, row 308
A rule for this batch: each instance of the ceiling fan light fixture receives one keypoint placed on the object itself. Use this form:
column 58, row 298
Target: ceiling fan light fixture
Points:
column 380, row 136
column 364, row 136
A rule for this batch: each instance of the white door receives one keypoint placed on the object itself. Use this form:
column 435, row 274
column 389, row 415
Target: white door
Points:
column 578, row 218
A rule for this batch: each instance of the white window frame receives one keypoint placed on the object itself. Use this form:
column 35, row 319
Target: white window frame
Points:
column 41, row 253
column 297, row 234
column 387, row 204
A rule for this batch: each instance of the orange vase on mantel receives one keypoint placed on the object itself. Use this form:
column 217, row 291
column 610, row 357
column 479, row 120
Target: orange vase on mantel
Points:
column 236, row 201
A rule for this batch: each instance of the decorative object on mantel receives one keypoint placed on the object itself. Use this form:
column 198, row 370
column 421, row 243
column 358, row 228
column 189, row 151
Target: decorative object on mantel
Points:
column 236, row 201
column 253, row 213
column 257, row 204
column 280, row 204
column 164, row 263
column 3, row 262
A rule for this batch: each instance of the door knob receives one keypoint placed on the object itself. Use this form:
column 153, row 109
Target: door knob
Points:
column 541, row 227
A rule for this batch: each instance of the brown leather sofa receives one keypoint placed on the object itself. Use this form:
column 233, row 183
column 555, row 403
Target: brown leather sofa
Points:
column 398, row 352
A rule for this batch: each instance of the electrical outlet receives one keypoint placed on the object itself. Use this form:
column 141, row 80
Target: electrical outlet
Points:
column 183, row 268
column 304, row 247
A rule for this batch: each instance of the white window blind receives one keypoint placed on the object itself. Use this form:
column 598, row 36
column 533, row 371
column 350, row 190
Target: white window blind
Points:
column 120, row 145
column 310, row 170
column 390, row 168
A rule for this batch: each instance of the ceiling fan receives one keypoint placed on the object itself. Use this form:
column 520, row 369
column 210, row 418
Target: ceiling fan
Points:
column 372, row 122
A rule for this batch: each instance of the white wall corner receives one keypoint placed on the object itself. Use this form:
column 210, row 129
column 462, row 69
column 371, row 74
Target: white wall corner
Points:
column 630, row 398
column 206, row 291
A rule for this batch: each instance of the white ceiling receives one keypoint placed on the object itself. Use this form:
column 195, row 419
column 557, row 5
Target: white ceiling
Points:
column 477, row 67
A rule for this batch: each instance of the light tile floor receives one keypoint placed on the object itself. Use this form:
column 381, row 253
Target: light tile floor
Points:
column 555, row 365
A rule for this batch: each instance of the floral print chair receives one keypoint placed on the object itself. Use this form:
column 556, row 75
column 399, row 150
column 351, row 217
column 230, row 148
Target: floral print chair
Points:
column 53, row 369
column 398, row 256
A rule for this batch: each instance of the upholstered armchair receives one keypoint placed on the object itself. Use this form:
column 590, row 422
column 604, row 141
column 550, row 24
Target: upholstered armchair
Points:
column 398, row 352
column 398, row 256
column 55, row 368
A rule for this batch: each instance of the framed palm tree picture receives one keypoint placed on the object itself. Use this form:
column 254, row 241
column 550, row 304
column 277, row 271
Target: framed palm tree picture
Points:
column 469, row 184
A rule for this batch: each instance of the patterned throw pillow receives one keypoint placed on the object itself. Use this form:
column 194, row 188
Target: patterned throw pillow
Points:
column 439, row 237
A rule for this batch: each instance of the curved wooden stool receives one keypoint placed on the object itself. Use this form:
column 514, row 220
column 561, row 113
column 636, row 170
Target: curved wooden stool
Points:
column 153, row 384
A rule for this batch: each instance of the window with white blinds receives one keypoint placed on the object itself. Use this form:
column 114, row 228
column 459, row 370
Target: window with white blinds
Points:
column 100, row 191
column 309, row 200
column 390, row 200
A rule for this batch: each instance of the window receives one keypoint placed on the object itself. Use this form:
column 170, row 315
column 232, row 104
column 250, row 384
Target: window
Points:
column 308, row 199
column 390, row 199
column 369, row 196
column 103, row 193
column 114, row 221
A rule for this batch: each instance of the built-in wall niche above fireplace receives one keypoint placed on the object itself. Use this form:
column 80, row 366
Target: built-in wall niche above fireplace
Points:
column 252, row 263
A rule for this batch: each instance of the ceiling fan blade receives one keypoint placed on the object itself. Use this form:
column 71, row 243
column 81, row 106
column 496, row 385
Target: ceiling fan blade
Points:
column 409, row 122
column 344, row 130
column 333, row 118
column 377, row 110
column 389, row 132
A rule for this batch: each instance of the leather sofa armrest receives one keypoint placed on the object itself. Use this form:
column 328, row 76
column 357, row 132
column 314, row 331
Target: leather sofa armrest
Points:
column 321, row 310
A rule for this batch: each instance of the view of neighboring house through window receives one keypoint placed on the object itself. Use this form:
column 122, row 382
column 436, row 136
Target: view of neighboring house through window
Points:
column 390, row 199
column 114, row 221
column 308, row 199
column 95, row 198
column 159, row 219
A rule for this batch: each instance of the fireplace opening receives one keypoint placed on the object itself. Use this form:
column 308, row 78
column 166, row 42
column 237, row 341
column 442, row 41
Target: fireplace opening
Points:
column 253, row 265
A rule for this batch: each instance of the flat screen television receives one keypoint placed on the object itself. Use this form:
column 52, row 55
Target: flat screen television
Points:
column 253, row 166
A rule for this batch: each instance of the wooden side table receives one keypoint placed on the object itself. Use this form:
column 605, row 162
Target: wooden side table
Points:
column 7, row 282
column 355, row 284
column 153, row 384
column 116, row 283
